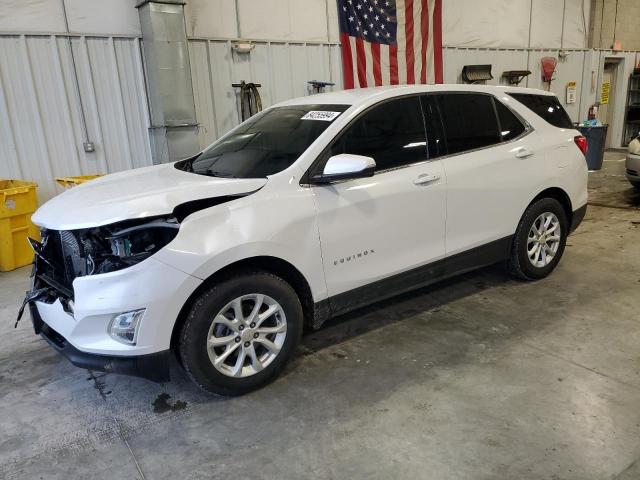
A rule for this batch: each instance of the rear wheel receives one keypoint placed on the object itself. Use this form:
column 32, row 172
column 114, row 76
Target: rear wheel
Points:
column 539, row 240
column 240, row 333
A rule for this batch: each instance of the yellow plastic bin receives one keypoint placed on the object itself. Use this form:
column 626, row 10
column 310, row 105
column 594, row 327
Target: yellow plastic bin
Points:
column 17, row 204
column 68, row 182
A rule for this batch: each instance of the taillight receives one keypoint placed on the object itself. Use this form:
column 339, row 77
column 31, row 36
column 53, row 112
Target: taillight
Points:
column 582, row 144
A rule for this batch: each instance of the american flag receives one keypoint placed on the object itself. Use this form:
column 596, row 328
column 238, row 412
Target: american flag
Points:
column 390, row 42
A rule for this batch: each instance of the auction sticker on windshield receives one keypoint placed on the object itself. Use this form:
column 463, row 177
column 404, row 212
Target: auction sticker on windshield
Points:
column 320, row 115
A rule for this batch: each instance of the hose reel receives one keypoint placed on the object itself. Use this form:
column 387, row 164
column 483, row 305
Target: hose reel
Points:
column 250, row 101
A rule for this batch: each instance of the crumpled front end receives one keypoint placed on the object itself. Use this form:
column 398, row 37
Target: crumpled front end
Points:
column 100, row 295
column 64, row 255
column 101, row 299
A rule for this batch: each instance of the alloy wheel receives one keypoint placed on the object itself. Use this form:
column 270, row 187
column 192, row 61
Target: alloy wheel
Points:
column 543, row 240
column 246, row 335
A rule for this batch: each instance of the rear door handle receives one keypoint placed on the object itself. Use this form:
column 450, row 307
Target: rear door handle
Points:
column 426, row 179
column 523, row 153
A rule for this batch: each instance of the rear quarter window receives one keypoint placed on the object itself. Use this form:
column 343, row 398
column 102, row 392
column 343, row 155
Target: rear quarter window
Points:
column 546, row 106
column 510, row 126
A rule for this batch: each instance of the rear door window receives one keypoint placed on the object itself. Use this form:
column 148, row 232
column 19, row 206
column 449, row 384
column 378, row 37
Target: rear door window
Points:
column 469, row 121
column 546, row 106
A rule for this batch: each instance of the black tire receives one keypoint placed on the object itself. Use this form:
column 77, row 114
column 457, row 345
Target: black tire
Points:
column 519, row 263
column 192, row 346
column 635, row 184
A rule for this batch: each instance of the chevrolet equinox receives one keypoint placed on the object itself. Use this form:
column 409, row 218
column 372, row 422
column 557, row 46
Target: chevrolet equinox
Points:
column 311, row 208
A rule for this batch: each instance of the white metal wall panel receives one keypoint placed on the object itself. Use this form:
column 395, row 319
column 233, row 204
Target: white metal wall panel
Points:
column 8, row 153
column 51, row 103
column 103, row 17
column 201, row 79
column 211, row 18
column 98, row 17
column 26, row 123
column 32, row 16
column 134, row 99
column 546, row 24
column 516, row 23
column 290, row 20
column 589, row 81
column 41, row 132
column 283, row 70
column 335, row 59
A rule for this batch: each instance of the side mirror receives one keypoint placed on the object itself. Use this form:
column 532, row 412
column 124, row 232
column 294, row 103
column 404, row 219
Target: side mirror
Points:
column 345, row 166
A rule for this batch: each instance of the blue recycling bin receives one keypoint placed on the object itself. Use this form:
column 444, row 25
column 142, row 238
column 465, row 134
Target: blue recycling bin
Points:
column 596, row 137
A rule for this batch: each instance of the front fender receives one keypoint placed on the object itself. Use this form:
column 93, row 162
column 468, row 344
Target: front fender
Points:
column 282, row 226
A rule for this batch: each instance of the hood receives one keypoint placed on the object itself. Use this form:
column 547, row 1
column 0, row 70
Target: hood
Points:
column 139, row 193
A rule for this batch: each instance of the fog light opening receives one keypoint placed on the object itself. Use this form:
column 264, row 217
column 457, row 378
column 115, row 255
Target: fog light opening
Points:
column 124, row 327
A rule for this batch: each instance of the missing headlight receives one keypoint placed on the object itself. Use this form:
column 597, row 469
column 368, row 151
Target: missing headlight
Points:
column 141, row 241
column 127, row 243
column 113, row 247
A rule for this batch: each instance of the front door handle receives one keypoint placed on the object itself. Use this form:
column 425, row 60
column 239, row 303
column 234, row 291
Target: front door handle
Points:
column 523, row 153
column 426, row 179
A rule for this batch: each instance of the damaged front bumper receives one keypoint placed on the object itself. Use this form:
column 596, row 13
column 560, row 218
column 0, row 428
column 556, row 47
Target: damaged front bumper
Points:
column 153, row 366
column 75, row 319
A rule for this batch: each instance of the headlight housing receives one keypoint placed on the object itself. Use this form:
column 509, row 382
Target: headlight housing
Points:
column 109, row 248
column 138, row 242
column 124, row 244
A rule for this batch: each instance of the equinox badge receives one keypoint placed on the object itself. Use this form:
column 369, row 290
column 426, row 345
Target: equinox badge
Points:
column 354, row 257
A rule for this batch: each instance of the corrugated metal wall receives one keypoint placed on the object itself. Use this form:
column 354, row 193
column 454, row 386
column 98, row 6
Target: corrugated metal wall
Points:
column 41, row 132
column 283, row 70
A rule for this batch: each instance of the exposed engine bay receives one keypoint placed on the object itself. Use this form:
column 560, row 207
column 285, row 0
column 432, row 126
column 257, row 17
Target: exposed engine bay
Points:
column 62, row 256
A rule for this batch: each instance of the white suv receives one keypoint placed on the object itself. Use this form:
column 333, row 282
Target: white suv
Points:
column 314, row 207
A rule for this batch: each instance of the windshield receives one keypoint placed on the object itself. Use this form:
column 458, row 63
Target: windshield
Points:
column 266, row 143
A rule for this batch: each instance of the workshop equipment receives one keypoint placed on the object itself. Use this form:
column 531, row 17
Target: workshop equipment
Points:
column 476, row 73
column 318, row 86
column 548, row 65
column 250, row 101
column 514, row 77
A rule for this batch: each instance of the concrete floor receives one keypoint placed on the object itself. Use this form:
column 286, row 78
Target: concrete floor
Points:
column 482, row 377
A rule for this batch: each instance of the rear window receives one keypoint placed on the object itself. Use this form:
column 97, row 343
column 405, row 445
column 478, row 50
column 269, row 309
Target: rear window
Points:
column 546, row 106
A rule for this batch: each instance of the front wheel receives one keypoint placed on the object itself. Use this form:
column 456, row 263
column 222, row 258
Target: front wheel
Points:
column 539, row 240
column 240, row 333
